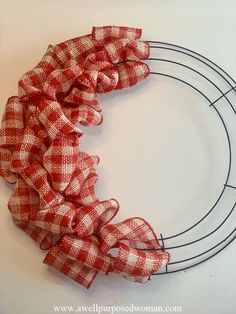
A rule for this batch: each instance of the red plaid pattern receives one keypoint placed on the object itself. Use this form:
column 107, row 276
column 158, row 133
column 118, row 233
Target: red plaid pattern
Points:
column 91, row 217
column 54, row 196
column 53, row 119
column 136, row 230
column 5, row 166
column 12, row 123
column 60, row 161
column 105, row 33
column 71, row 268
column 85, row 166
column 137, row 265
column 24, row 201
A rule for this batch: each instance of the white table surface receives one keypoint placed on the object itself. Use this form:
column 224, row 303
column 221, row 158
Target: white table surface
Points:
column 125, row 142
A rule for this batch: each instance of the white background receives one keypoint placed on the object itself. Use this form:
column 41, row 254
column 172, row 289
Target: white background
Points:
column 156, row 156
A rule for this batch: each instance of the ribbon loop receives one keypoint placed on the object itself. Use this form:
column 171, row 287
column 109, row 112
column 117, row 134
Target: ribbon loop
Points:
column 136, row 231
column 138, row 265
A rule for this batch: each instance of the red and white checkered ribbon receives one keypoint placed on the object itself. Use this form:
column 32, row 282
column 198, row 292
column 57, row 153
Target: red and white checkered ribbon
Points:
column 54, row 199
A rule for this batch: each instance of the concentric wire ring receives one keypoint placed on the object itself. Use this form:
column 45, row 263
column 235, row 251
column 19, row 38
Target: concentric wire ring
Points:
column 229, row 82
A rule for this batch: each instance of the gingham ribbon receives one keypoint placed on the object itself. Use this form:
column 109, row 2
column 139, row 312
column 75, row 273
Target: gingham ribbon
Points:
column 54, row 199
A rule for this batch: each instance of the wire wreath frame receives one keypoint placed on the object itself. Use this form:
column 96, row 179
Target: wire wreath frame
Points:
column 229, row 89
column 60, row 135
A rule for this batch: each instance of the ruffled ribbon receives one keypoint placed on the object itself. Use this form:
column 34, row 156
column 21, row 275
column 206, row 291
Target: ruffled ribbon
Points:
column 54, row 199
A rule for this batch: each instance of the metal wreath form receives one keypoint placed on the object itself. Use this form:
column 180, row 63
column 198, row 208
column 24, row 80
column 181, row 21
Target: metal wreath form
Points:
column 54, row 199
